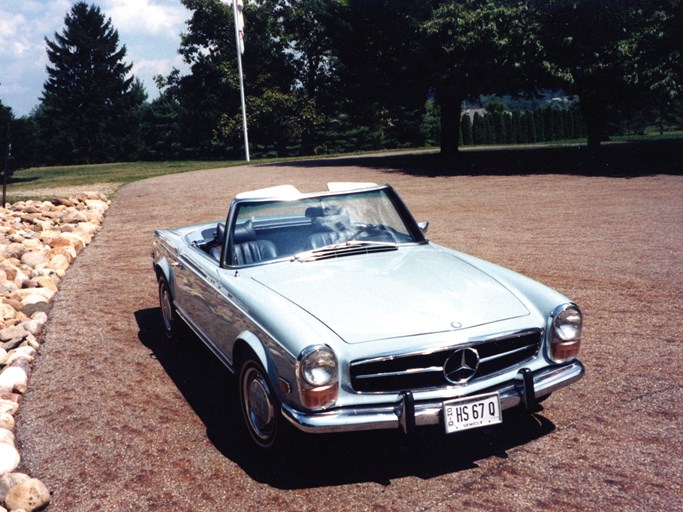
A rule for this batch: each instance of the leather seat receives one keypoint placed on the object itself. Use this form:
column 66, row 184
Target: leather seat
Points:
column 323, row 238
column 217, row 244
column 247, row 249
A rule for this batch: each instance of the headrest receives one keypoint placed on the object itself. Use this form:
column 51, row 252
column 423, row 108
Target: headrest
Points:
column 314, row 211
column 244, row 233
column 220, row 232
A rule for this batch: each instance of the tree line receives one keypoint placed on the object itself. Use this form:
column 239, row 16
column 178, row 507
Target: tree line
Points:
column 326, row 76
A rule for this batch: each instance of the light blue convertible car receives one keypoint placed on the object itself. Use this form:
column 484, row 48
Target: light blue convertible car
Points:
column 337, row 314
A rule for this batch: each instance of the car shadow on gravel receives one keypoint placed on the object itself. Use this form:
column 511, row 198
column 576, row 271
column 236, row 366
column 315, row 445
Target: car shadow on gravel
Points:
column 328, row 459
column 619, row 159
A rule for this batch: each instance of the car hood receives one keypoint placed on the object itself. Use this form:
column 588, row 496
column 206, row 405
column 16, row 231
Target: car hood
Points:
column 408, row 292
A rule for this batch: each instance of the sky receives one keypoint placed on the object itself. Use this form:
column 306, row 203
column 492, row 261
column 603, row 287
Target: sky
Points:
column 150, row 30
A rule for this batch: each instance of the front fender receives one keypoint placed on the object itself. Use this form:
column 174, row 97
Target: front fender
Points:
column 278, row 364
column 163, row 268
column 254, row 343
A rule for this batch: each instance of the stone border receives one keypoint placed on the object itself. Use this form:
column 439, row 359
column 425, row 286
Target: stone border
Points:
column 38, row 242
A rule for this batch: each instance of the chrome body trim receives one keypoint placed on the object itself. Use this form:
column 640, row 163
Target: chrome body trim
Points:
column 389, row 416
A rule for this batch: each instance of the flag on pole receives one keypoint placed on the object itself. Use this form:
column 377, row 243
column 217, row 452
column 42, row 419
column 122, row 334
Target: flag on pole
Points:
column 237, row 11
column 239, row 6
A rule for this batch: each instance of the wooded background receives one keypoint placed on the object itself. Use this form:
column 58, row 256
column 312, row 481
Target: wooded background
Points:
column 333, row 76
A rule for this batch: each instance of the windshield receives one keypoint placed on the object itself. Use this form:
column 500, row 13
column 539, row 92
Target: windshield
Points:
column 282, row 229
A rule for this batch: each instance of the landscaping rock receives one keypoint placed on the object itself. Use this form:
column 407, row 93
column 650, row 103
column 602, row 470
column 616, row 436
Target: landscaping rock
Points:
column 59, row 262
column 38, row 242
column 8, row 407
column 13, row 332
column 9, row 459
column 9, row 480
column 28, row 495
column 21, row 354
column 6, row 436
column 13, row 343
column 6, row 311
column 13, row 379
column 35, row 303
column 34, row 258
column 6, row 421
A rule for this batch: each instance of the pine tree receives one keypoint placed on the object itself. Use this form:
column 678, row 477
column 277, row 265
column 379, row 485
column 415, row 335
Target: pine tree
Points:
column 549, row 124
column 89, row 100
column 498, row 121
column 510, row 129
column 539, row 124
column 530, row 122
column 489, row 129
column 519, row 127
column 478, row 129
column 466, row 130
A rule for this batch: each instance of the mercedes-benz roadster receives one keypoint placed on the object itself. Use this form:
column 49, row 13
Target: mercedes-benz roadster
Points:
column 336, row 314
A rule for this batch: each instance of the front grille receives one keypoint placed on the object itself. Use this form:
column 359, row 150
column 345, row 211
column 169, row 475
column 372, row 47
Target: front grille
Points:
column 426, row 370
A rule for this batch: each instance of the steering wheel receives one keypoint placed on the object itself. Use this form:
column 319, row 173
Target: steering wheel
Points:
column 374, row 232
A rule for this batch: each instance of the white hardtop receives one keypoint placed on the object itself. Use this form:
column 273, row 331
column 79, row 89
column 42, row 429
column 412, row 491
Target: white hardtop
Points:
column 291, row 192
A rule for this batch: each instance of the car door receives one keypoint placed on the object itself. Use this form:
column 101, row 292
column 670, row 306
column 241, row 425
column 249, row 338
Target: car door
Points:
column 208, row 301
column 195, row 278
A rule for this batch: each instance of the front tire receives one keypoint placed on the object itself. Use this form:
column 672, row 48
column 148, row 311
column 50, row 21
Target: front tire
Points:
column 169, row 315
column 260, row 406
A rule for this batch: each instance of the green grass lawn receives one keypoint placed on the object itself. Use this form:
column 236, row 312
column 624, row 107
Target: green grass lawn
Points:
column 627, row 156
column 29, row 183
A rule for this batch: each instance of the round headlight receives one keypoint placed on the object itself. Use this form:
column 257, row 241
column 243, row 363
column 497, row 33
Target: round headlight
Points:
column 318, row 366
column 567, row 324
column 565, row 334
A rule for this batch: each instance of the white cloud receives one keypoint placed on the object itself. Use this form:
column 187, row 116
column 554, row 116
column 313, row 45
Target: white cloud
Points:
column 146, row 69
column 150, row 30
column 155, row 66
column 150, row 17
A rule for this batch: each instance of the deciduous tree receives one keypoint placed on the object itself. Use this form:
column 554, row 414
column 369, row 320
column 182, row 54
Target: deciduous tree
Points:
column 583, row 38
column 209, row 95
column 479, row 48
column 654, row 58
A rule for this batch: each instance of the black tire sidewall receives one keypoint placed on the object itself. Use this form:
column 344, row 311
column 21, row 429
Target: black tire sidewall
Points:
column 170, row 329
column 273, row 440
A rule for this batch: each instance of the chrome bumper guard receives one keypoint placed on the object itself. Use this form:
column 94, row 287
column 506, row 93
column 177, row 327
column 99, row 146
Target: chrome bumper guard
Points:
column 406, row 414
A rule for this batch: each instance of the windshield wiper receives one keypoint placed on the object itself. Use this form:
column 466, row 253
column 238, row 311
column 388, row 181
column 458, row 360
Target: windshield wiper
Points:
column 345, row 249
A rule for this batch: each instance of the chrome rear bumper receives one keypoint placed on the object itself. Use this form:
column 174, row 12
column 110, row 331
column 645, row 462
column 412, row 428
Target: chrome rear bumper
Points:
column 526, row 390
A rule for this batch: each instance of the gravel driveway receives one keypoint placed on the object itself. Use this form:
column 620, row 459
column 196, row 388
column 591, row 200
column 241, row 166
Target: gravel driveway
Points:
column 117, row 419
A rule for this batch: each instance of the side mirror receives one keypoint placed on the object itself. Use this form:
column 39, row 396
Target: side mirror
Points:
column 424, row 226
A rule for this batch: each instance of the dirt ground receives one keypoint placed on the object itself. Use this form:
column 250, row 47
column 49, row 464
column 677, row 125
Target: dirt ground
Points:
column 116, row 419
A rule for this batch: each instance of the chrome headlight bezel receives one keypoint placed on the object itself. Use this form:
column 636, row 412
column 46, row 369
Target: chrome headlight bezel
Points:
column 317, row 371
column 566, row 324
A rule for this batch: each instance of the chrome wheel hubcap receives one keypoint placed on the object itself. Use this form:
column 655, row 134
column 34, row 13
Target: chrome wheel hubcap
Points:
column 258, row 405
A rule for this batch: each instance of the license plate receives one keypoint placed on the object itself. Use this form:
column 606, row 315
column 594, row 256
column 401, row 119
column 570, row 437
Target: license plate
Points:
column 472, row 412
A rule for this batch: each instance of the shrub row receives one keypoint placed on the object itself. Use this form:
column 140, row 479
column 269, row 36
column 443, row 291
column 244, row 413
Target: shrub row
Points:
column 504, row 127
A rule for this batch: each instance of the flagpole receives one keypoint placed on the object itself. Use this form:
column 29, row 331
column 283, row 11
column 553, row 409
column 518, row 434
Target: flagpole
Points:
column 238, row 45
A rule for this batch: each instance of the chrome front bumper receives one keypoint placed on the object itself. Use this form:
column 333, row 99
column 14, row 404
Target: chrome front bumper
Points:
column 526, row 389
